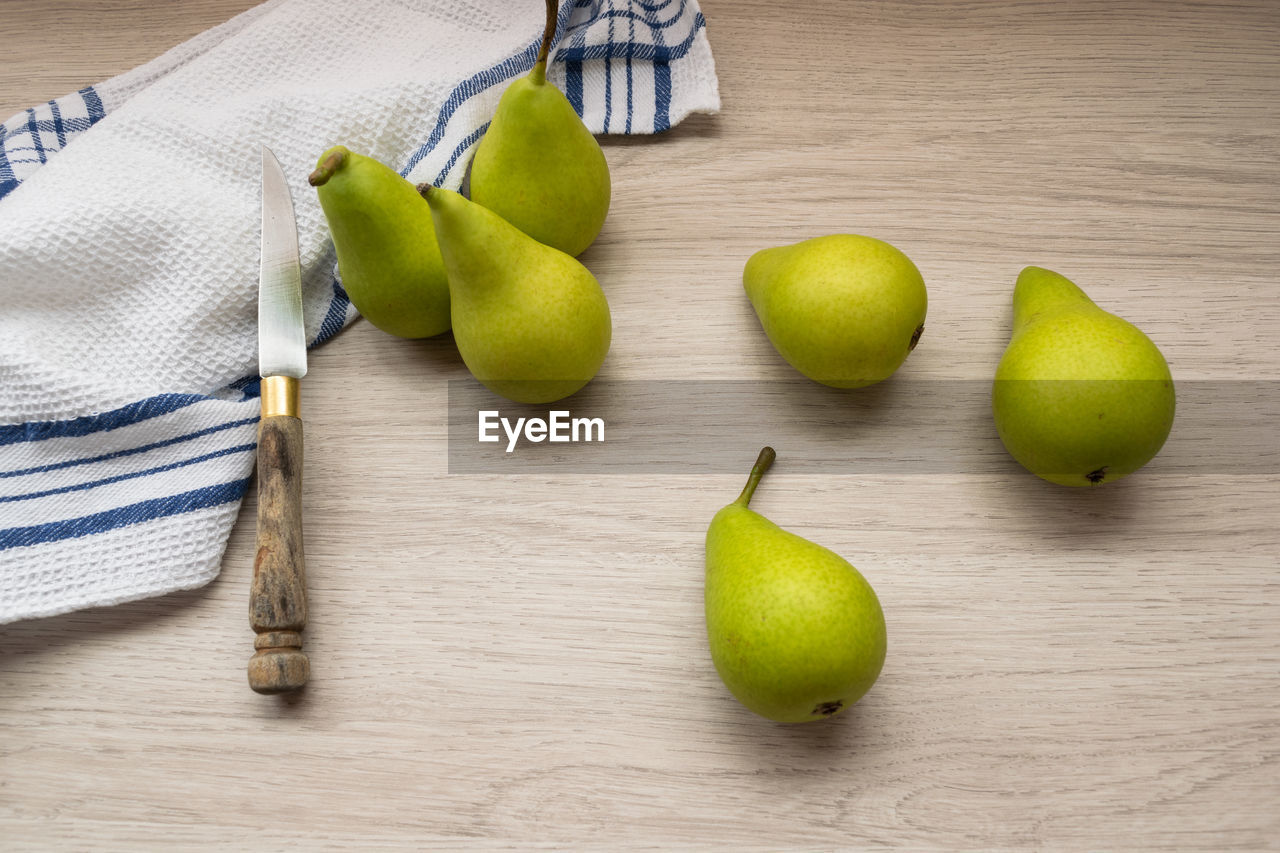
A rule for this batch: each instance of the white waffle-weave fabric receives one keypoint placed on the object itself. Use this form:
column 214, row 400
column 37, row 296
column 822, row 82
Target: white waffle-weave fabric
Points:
column 129, row 237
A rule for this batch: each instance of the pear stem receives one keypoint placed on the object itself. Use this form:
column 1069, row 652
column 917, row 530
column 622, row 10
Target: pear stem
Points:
column 763, row 461
column 326, row 170
column 425, row 190
column 539, row 72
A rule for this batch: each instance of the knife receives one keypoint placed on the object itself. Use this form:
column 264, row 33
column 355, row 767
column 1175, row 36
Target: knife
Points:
column 278, row 603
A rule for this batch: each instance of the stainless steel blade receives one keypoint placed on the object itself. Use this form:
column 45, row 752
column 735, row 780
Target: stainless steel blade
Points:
column 282, row 337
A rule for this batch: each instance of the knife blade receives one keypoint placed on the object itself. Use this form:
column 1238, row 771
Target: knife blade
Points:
column 277, row 604
column 282, row 341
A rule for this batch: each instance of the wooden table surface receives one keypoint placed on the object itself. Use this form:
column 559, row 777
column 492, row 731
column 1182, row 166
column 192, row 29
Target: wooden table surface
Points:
column 519, row 660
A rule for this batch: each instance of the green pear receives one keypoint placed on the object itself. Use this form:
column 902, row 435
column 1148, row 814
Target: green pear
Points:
column 531, row 323
column 387, row 254
column 844, row 310
column 537, row 166
column 1080, row 397
column 796, row 632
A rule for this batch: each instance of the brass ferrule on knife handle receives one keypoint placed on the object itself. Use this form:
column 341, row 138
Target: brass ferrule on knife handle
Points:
column 278, row 602
column 280, row 396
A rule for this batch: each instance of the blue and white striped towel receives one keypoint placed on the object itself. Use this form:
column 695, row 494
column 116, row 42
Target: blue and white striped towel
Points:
column 129, row 219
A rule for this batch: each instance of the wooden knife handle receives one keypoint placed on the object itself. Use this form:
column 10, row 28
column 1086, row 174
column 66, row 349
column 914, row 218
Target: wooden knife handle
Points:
column 278, row 605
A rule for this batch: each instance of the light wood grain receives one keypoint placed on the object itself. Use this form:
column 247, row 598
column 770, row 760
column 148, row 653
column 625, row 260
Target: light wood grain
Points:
column 519, row 661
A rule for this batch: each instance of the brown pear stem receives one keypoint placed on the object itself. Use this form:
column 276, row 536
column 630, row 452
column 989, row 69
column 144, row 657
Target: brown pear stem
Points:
column 763, row 461
column 326, row 170
column 425, row 190
column 539, row 72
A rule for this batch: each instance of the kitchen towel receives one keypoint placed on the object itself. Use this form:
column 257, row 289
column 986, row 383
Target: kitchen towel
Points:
column 129, row 237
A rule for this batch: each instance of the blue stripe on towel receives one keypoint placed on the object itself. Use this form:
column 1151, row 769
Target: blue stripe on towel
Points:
column 608, row 78
column 573, row 85
column 57, row 123
column 131, row 451
column 650, row 52
column 649, row 17
column 335, row 318
column 33, row 128
column 471, row 139
column 573, row 70
column 132, row 475
column 93, row 103
column 631, row 37
column 25, row 137
column 142, row 410
column 661, row 70
column 99, row 522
